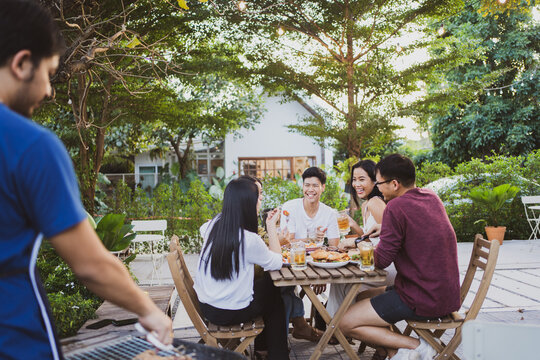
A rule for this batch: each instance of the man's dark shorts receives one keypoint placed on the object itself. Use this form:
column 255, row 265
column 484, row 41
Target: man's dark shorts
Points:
column 392, row 309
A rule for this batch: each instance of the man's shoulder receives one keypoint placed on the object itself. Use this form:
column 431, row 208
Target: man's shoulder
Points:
column 291, row 204
column 18, row 131
column 325, row 208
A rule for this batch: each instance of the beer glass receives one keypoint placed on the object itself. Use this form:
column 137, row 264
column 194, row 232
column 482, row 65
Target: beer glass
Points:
column 298, row 255
column 367, row 260
column 343, row 222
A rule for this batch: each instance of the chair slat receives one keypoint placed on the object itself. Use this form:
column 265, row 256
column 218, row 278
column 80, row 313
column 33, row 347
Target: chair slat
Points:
column 432, row 330
column 209, row 332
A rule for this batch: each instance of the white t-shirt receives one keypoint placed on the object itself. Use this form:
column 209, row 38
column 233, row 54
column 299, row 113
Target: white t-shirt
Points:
column 298, row 222
column 235, row 293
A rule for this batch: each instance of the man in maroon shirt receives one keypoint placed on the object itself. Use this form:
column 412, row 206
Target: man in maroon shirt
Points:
column 416, row 235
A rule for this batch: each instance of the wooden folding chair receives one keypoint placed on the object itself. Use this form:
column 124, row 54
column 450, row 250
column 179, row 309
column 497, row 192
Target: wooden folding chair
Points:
column 484, row 256
column 230, row 336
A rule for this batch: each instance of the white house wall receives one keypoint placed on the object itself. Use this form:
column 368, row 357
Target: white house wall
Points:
column 271, row 137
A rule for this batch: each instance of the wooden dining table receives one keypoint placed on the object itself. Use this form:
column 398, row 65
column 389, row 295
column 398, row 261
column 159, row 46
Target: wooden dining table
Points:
column 313, row 275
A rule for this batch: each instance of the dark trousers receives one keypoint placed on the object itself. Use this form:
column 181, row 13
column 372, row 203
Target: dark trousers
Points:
column 267, row 303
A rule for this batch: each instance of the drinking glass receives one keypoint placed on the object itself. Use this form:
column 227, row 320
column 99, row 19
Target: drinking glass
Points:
column 343, row 222
column 367, row 259
column 298, row 255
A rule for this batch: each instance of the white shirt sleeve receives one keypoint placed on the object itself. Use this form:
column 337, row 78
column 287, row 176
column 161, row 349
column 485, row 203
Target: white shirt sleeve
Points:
column 258, row 253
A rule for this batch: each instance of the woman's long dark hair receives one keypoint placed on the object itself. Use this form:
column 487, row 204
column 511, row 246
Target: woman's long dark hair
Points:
column 369, row 167
column 226, row 239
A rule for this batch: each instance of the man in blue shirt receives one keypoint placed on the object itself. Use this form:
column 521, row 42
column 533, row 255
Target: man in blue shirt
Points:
column 39, row 197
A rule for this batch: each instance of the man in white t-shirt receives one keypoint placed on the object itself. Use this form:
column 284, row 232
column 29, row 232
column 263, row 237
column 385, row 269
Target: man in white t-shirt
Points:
column 302, row 218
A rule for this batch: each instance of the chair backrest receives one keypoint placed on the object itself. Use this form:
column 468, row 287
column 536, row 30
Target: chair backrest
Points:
column 149, row 225
column 184, row 286
column 527, row 200
column 149, row 230
column 483, row 257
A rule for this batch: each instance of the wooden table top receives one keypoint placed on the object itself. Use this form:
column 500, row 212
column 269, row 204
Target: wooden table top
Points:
column 314, row 275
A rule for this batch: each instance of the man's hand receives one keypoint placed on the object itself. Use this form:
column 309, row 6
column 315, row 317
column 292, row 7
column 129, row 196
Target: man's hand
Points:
column 160, row 324
column 374, row 231
column 320, row 233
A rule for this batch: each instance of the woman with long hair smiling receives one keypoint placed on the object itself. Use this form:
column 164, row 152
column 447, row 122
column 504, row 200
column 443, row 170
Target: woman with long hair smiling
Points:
column 225, row 283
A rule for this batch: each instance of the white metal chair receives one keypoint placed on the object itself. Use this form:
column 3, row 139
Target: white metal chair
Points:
column 532, row 212
column 150, row 231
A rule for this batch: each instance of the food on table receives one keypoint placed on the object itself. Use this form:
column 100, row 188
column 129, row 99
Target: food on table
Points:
column 286, row 255
column 354, row 254
column 329, row 256
column 152, row 355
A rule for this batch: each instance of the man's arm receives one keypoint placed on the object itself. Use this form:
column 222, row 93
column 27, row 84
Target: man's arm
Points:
column 107, row 277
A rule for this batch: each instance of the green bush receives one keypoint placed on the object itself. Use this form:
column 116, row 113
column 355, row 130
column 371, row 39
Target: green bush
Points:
column 71, row 302
column 71, row 311
column 432, row 171
column 520, row 171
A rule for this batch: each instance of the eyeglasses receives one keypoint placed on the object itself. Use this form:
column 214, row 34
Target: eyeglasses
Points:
column 377, row 183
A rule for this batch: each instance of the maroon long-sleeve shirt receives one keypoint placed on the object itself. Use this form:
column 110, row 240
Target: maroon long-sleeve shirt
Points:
column 417, row 236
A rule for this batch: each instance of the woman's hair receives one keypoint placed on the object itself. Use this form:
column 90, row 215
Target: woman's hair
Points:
column 225, row 242
column 369, row 167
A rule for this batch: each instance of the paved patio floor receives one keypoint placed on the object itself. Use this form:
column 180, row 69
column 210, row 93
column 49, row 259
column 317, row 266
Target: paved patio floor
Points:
column 514, row 295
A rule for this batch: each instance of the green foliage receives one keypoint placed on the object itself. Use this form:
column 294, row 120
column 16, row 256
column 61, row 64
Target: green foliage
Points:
column 492, row 200
column 432, row 171
column 489, row 173
column 71, row 311
column 114, row 233
column 219, row 183
column 277, row 191
column 496, row 109
column 71, row 302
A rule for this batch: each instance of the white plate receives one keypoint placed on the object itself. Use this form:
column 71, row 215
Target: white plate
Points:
column 330, row 265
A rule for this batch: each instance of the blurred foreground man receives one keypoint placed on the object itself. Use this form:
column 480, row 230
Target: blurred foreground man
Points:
column 39, row 197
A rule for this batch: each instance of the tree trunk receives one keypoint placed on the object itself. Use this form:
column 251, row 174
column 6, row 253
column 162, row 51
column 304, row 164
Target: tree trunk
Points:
column 182, row 158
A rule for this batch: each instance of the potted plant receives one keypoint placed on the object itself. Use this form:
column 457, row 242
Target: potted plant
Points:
column 492, row 201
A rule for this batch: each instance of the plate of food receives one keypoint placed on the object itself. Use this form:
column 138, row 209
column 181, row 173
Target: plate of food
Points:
column 329, row 259
column 312, row 246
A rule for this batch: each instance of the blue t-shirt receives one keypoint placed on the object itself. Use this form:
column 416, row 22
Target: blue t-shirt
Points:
column 38, row 195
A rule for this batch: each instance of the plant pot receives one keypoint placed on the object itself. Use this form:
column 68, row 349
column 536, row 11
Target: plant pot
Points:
column 495, row 232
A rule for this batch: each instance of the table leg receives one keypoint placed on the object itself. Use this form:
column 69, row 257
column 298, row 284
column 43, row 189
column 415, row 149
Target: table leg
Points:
column 332, row 323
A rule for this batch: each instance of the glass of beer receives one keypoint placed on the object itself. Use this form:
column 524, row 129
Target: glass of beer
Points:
column 343, row 222
column 367, row 262
column 298, row 255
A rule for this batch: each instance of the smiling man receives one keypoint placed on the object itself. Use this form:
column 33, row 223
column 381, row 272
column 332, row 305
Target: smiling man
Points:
column 39, row 197
column 416, row 235
column 300, row 216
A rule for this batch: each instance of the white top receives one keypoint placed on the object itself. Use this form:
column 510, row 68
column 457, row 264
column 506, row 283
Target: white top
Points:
column 368, row 224
column 298, row 222
column 235, row 293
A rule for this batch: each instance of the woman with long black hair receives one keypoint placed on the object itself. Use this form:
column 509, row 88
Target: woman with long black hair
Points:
column 225, row 284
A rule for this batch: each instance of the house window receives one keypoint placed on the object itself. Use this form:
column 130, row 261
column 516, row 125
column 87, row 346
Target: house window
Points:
column 148, row 176
column 284, row 167
column 207, row 161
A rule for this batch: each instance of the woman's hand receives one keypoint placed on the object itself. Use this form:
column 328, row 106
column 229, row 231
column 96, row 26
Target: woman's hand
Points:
column 272, row 218
column 346, row 244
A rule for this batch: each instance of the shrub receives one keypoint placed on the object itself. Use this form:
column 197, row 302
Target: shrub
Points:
column 71, row 311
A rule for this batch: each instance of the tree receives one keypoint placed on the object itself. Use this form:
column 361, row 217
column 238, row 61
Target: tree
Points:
column 340, row 52
column 502, row 114
column 121, row 59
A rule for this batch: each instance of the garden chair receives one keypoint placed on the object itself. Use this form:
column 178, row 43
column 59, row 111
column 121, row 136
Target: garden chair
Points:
column 532, row 212
column 484, row 256
column 229, row 337
column 150, row 231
